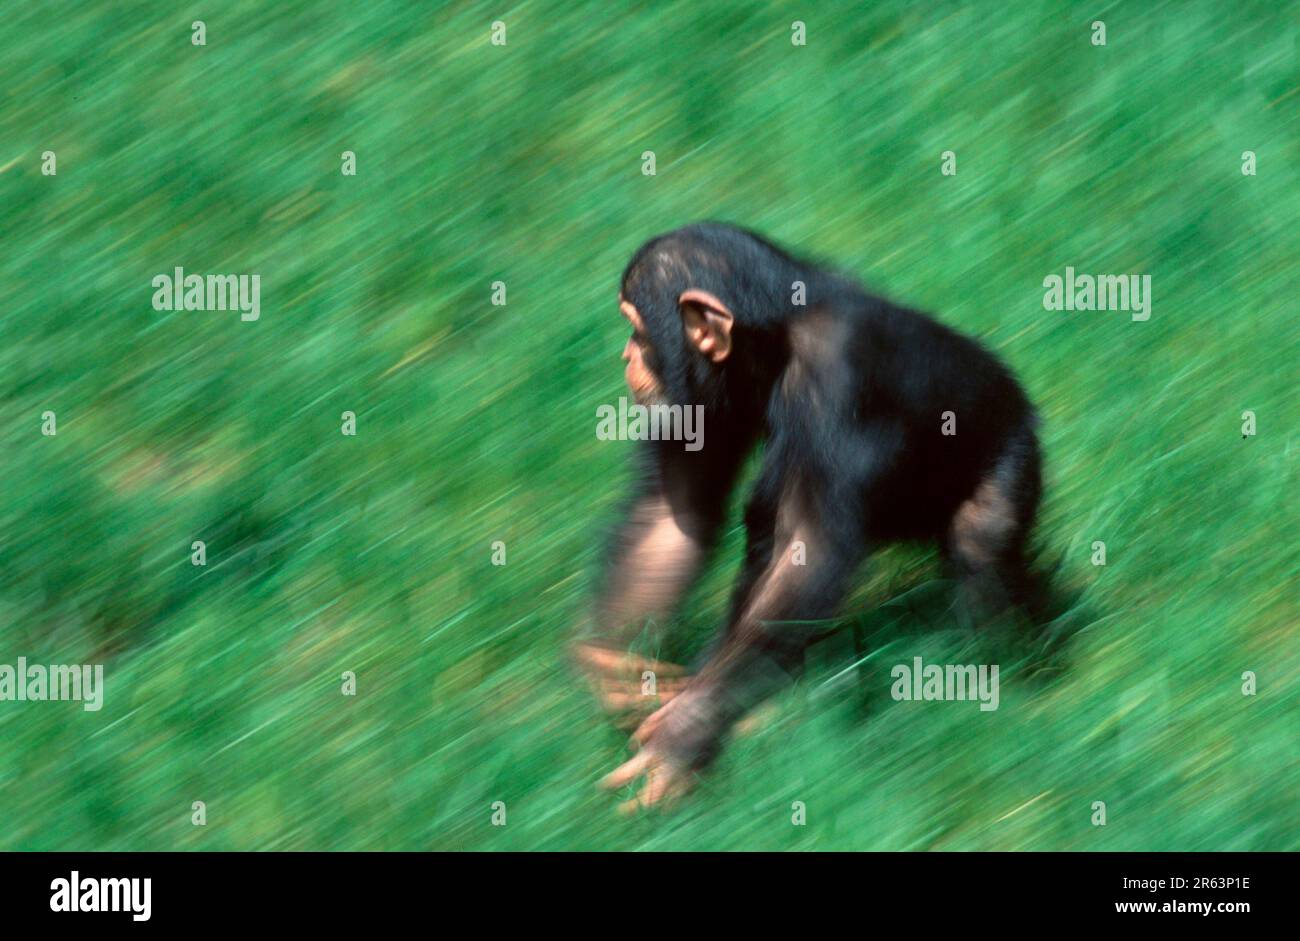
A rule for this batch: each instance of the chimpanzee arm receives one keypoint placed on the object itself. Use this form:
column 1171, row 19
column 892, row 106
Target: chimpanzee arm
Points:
column 816, row 545
column 670, row 527
column 763, row 645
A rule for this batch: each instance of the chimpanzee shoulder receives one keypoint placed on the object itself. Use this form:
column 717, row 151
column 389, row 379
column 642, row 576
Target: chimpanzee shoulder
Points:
column 903, row 361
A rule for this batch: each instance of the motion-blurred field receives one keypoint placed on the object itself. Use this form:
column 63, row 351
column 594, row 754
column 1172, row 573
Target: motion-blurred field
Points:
column 521, row 163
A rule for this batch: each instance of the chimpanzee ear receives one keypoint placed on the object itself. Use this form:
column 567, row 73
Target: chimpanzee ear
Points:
column 707, row 323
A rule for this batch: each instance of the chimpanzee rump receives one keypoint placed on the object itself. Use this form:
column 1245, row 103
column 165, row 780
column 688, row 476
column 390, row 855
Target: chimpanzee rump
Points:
column 877, row 423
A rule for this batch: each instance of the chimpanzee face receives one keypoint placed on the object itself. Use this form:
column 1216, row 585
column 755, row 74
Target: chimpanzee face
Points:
column 641, row 380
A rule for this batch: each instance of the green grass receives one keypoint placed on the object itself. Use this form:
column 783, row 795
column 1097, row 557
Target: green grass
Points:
column 521, row 163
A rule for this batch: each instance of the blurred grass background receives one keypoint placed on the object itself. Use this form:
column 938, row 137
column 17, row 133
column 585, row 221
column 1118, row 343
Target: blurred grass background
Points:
column 521, row 163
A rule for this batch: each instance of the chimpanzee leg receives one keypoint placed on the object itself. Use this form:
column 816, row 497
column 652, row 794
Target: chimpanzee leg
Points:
column 986, row 538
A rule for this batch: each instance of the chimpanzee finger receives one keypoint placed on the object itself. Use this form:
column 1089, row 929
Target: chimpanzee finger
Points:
column 623, row 697
column 610, row 661
column 616, row 701
column 628, row 772
column 635, row 691
column 664, row 785
column 656, row 785
column 756, row 721
column 651, row 724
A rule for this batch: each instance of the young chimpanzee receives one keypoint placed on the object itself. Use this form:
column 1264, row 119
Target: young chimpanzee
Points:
column 878, row 424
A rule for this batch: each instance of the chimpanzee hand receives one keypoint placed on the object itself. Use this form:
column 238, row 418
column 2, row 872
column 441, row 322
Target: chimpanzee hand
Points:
column 620, row 682
column 675, row 742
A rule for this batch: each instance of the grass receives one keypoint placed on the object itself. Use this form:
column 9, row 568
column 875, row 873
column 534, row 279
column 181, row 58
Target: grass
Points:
column 521, row 163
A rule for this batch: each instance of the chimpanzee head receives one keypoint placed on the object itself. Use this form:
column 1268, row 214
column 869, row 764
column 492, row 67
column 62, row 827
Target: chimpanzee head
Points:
column 706, row 324
column 705, row 303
